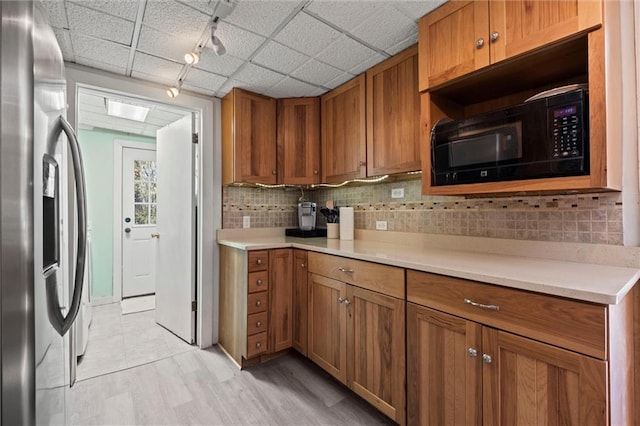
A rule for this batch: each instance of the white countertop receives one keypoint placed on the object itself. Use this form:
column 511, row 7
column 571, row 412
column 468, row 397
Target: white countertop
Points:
column 583, row 281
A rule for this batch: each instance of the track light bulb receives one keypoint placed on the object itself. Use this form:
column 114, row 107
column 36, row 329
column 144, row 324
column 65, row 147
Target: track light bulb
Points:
column 218, row 47
column 172, row 92
column 192, row 58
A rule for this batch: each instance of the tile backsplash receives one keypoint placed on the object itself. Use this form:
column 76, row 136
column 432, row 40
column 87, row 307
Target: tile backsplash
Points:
column 586, row 218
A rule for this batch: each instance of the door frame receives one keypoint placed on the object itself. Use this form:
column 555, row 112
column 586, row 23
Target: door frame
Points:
column 210, row 176
column 118, row 146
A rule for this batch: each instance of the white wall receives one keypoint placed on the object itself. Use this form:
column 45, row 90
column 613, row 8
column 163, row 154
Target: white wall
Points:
column 210, row 211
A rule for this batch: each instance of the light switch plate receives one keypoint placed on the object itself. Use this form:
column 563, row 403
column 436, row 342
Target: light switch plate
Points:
column 397, row 193
column 381, row 225
column 246, row 221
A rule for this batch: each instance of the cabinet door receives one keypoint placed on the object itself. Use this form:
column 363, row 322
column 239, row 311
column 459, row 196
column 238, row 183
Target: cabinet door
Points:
column 344, row 132
column 327, row 325
column 280, row 299
column 453, row 41
column 393, row 115
column 298, row 141
column 376, row 350
column 527, row 382
column 254, row 137
column 444, row 372
column 300, row 295
column 517, row 26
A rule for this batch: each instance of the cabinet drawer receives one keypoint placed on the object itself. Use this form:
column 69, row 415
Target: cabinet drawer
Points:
column 571, row 324
column 256, row 344
column 258, row 281
column 257, row 302
column 384, row 279
column 257, row 323
column 258, row 260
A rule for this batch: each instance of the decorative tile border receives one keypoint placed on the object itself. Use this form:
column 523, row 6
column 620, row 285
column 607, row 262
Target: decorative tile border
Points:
column 584, row 218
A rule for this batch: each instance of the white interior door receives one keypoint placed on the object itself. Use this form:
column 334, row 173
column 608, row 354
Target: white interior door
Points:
column 175, row 287
column 139, row 189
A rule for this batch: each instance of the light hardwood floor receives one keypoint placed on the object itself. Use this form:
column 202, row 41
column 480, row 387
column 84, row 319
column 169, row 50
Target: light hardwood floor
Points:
column 205, row 387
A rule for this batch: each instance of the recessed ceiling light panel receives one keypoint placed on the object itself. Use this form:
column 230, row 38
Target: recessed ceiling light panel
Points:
column 128, row 111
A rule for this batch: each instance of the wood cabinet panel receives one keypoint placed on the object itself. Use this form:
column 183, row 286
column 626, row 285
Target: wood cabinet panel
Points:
column 298, row 141
column 249, row 138
column 572, row 324
column 300, row 300
column 344, row 132
column 444, row 381
column 373, row 276
column 393, row 114
column 327, row 325
column 376, row 350
column 280, row 299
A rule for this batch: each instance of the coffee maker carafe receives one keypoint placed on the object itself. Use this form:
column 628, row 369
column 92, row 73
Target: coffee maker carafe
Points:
column 307, row 215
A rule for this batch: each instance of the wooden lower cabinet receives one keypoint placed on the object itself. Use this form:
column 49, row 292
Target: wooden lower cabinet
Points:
column 280, row 299
column 463, row 373
column 300, row 296
column 358, row 336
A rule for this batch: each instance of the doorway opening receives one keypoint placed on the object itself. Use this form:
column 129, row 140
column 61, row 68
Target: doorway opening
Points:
column 138, row 171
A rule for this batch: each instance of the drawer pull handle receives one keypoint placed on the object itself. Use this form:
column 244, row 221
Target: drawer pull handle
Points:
column 259, row 261
column 482, row 305
column 486, row 359
column 345, row 301
column 259, row 282
column 258, row 345
column 259, row 324
column 348, row 271
column 473, row 352
column 258, row 302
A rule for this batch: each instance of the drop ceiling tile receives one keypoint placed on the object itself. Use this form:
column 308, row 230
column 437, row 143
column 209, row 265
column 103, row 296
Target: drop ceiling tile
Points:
column 238, row 42
column 154, row 78
column 100, row 25
column 413, row 39
column 316, row 72
column 163, row 69
column 386, row 28
column 307, row 34
column 344, row 14
column 164, row 45
column 261, row 17
column 345, row 53
column 55, row 13
column 198, row 90
column 339, row 80
column 222, row 65
column 64, row 41
column 279, row 57
column 127, row 9
column 226, row 88
column 417, row 9
column 292, row 88
column 88, row 62
column 258, row 77
column 362, row 67
column 204, row 80
column 204, row 6
column 175, row 18
column 100, row 50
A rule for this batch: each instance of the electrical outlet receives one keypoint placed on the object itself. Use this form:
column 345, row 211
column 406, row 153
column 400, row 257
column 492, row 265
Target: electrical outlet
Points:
column 397, row 193
column 381, row 225
column 246, row 221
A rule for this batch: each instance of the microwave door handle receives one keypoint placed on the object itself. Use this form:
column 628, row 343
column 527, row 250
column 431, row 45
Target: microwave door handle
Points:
column 63, row 323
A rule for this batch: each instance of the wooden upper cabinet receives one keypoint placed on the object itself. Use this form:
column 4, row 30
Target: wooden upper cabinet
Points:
column 393, row 115
column 298, row 141
column 344, row 132
column 248, row 138
column 463, row 36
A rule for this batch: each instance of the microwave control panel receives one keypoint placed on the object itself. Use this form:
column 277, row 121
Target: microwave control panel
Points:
column 567, row 131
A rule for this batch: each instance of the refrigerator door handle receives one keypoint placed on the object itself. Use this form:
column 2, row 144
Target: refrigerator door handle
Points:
column 63, row 323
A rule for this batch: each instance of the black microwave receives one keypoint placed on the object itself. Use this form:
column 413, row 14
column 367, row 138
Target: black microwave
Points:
column 542, row 138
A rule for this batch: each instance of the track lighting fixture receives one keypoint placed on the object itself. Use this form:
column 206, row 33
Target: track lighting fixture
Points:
column 192, row 58
column 218, row 47
column 174, row 91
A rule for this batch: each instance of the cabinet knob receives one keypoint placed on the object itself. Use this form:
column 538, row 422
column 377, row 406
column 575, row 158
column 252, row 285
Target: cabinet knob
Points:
column 494, row 36
column 479, row 43
column 362, row 163
column 258, row 345
column 302, row 265
column 486, row 359
column 315, row 172
column 259, row 324
column 259, row 282
column 473, row 352
column 259, row 261
column 345, row 301
column 273, row 172
column 258, row 302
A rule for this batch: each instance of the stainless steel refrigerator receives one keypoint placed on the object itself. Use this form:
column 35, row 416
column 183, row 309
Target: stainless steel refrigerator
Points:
column 42, row 251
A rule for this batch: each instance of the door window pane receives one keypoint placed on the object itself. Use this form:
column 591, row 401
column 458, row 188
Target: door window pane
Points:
column 141, row 194
column 145, row 189
column 142, row 214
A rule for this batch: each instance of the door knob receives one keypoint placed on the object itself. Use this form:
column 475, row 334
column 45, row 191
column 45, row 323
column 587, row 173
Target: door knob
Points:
column 155, row 235
column 127, row 230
